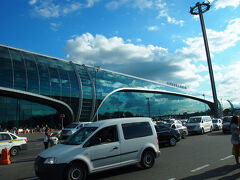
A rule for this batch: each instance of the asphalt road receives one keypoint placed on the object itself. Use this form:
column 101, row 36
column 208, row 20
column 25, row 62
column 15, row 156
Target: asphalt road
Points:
column 198, row 157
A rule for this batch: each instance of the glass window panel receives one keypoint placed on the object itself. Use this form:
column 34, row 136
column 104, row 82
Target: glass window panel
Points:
column 32, row 73
column 19, row 70
column 6, row 74
column 44, row 75
column 55, row 83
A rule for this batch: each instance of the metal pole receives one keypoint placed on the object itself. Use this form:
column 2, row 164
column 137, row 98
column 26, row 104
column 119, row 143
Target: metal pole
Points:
column 148, row 107
column 204, row 105
column 200, row 12
column 96, row 68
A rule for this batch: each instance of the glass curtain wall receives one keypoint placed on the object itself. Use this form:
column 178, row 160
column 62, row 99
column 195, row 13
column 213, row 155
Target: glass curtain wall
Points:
column 87, row 90
column 6, row 70
column 25, row 114
column 137, row 104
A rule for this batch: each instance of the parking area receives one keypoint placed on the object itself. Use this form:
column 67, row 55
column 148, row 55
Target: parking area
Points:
column 192, row 156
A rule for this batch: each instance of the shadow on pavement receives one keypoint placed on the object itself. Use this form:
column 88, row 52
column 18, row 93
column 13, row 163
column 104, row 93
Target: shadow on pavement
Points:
column 22, row 160
column 219, row 133
column 36, row 140
column 217, row 173
column 114, row 172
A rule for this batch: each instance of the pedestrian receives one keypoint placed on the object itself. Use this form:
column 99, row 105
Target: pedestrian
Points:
column 46, row 138
column 234, row 127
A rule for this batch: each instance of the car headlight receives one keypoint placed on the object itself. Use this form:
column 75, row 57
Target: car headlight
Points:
column 50, row 160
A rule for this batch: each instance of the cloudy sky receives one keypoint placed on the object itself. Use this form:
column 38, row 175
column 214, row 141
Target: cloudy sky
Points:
column 153, row 39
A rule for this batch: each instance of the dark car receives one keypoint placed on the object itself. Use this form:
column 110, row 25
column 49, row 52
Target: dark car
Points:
column 167, row 135
column 182, row 129
column 226, row 124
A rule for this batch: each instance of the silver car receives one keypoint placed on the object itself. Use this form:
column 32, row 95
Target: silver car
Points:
column 217, row 124
column 182, row 129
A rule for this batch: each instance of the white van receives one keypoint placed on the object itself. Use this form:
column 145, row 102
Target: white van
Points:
column 199, row 124
column 100, row 146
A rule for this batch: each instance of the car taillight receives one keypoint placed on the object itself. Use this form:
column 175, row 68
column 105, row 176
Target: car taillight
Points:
column 157, row 140
column 26, row 140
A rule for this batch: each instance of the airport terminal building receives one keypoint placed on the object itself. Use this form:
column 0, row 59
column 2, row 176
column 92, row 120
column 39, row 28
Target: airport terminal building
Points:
column 36, row 89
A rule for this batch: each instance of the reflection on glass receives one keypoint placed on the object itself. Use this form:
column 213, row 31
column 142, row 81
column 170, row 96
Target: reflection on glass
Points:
column 25, row 114
column 134, row 104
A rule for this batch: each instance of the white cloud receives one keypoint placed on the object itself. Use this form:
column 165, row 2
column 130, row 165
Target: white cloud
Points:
column 158, row 5
column 151, row 62
column 229, row 83
column 113, row 50
column 163, row 13
column 55, row 26
column 152, row 28
column 139, row 4
column 218, row 41
column 138, row 40
column 224, row 3
column 174, row 21
column 31, row 2
column 54, row 8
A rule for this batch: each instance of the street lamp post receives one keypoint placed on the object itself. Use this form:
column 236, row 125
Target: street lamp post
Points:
column 148, row 106
column 96, row 69
column 199, row 9
column 204, row 104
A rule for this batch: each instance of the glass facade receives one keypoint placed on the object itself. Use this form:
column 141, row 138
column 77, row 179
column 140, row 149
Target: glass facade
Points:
column 160, row 106
column 83, row 89
column 25, row 114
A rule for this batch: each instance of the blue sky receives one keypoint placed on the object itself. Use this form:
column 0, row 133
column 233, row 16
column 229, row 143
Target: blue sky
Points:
column 153, row 39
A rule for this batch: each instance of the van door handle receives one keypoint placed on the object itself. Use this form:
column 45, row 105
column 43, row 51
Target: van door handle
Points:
column 115, row 147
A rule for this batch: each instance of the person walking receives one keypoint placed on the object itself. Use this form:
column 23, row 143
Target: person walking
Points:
column 46, row 138
column 234, row 127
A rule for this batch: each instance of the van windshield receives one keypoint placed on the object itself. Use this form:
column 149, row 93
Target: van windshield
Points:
column 80, row 136
column 194, row 120
column 71, row 125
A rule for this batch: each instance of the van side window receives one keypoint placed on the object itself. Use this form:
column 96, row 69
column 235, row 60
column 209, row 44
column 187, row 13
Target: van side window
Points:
column 105, row 135
column 135, row 130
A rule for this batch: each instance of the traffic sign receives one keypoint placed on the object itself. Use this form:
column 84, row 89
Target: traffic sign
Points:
column 62, row 116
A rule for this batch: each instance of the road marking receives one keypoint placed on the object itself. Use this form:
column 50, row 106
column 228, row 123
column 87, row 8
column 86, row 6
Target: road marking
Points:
column 172, row 179
column 226, row 157
column 199, row 168
column 31, row 178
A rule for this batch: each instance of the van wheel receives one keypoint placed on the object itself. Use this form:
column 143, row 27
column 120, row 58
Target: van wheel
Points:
column 148, row 159
column 76, row 171
column 172, row 142
column 14, row 151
